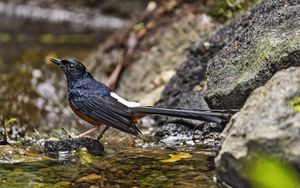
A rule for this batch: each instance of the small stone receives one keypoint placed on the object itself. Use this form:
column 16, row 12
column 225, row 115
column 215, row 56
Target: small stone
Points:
column 93, row 146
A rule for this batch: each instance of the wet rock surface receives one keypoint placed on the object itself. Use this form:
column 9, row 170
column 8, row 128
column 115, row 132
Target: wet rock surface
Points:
column 268, row 123
column 17, row 153
column 189, row 133
column 253, row 48
column 68, row 145
column 178, row 131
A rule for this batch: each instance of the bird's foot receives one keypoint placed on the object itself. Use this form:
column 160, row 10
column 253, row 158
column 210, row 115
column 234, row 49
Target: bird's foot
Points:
column 82, row 135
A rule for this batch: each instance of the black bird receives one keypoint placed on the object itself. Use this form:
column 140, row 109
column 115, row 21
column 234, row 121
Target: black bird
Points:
column 97, row 104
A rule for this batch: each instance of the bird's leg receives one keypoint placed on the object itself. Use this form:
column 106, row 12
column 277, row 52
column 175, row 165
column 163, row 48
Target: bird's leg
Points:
column 88, row 132
column 105, row 127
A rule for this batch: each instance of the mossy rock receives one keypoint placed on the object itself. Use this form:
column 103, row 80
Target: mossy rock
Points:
column 225, row 9
column 257, row 45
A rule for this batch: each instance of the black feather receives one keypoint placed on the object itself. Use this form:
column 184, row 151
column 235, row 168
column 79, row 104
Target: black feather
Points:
column 109, row 111
column 216, row 117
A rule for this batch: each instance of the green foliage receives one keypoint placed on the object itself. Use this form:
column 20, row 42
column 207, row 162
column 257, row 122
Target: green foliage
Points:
column 9, row 121
column 263, row 171
column 4, row 123
column 225, row 9
column 295, row 103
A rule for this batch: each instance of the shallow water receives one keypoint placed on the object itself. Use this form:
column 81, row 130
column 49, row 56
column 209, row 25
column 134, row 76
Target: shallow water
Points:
column 131, row 168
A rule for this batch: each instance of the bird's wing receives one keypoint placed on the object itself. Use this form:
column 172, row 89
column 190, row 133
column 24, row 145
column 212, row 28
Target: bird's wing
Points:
column 107, row 110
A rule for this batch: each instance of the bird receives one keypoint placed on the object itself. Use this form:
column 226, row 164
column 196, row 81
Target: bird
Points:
column 98, row 105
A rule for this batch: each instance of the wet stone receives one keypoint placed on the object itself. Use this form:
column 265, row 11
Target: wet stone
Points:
column 3, row 142
column 184, row 132
column 55, row 148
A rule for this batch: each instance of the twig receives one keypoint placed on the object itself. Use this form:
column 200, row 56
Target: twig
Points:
column 114, row 77
column 66, row 133
column 125, row 54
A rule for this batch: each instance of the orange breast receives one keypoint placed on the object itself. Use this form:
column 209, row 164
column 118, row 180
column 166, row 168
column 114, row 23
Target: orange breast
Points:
column 84, row 117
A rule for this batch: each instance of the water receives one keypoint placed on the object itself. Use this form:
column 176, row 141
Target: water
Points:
column 132, row 168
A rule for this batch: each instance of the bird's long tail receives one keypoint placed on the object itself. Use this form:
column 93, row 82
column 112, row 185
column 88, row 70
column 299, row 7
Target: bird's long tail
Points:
column 216, row 116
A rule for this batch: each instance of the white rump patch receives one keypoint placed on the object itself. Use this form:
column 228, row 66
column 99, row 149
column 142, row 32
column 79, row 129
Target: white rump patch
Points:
column 123, row 101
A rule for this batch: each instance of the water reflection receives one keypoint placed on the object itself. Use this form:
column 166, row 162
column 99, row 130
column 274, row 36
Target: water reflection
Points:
column 135, row 167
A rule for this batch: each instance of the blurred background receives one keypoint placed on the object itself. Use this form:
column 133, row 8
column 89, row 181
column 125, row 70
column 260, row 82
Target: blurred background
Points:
column 153, row 40
column 32, row 89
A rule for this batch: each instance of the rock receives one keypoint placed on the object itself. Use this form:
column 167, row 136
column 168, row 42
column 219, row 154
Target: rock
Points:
column 185, row 90
column 177, row 134
column 179, row 92
column 252, row 48
column 93, row 146
column 188, row 133
column 268, row 123
column 178, row 131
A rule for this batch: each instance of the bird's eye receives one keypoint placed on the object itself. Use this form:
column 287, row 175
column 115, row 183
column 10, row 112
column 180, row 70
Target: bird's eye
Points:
column 71, row 66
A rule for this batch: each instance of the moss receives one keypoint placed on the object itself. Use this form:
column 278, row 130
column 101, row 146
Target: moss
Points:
column 266, row 50
column 225, row 9
column 295, row 103
column 255, row 65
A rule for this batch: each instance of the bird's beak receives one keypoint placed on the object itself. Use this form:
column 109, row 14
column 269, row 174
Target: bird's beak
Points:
column 56, row 61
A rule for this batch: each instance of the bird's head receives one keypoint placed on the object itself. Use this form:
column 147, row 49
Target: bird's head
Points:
column 73, row 69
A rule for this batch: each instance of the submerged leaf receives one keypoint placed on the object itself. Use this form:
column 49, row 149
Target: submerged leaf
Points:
column 90, row 177
column 176, row 157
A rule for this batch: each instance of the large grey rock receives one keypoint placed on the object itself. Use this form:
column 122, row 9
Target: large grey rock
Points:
column 269, row 122
column 241, row 56
column 255, row 46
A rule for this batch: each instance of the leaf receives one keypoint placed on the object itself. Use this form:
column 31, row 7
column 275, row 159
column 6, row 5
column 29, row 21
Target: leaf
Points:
column 176, row 157
column 9, row 121
column 90, row 177
column 265, row 171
